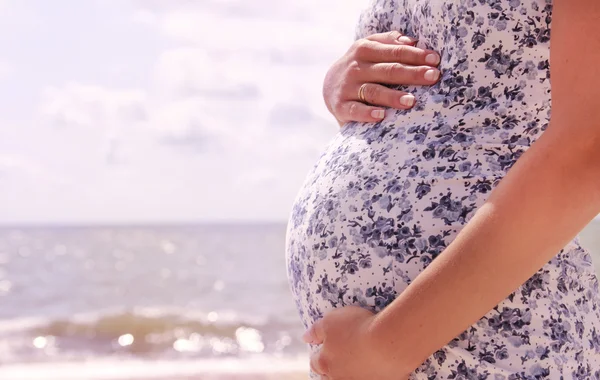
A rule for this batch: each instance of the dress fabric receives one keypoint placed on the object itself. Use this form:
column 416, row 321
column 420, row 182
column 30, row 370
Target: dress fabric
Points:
column 385, row 199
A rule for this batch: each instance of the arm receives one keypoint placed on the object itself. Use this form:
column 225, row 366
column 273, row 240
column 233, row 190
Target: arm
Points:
column 550, row 194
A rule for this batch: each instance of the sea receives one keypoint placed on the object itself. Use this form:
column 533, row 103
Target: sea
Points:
column 168, row 302
column 147, row 302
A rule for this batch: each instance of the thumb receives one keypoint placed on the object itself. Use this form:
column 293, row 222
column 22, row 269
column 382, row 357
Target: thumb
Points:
column 315, row 334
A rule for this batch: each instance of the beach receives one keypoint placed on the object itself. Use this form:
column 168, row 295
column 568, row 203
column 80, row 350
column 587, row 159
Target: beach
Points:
column 141, row 371
column 153, row 302
column 170, row 302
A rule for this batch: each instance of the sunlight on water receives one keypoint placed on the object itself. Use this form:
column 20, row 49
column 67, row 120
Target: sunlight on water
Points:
column 194, row 343
column 197, row 304
column 81, row 295
column 5, row 287
column 60, row 250
column 223, row 346
column 219, row 285
column 283, row 342
column 249, row 339
column 168, row 247
column 165, row 273
column 126, row 340
column 24, row 252
column 40, row 342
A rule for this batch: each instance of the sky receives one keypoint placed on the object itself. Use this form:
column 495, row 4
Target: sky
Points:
column 163, row 111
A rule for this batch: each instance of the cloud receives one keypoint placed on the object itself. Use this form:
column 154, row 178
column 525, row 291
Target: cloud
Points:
column 278, row 40
column 190, row 71
column 285, row 115
column 6, row 70
column 181, row 124
column 31, row 191
column 93, row 106
column 111, row 151
column 220, row 95
column 144, row 17
column 103, row 111
column 10, row 163
column 24, row 169
column 257, row 177
column 245, row 75
column 255, row 65
column 239, row 93
column 295, row 32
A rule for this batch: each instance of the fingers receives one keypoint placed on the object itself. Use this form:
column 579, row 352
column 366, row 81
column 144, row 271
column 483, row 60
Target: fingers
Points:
column 373, row 51
column 318, row 364
column 315, row 334
column 393, row 37
column 398, row 73
column 357, row 111
column 379, row 95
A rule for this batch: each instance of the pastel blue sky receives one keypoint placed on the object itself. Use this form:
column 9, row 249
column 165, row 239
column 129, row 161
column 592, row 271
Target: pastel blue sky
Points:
column 117, row 111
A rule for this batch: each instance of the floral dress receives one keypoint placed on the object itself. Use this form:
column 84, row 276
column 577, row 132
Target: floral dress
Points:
column 385, row 199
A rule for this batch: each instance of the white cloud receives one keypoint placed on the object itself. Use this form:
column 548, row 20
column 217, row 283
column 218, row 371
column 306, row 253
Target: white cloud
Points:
column 144, row 17
column 242, row 93
column 16, row 170
column 12, row 163
column 192, row 123
column 220, row 94
column 292, row 34
column 93, row 106
column 256, row 177
column 6, row 70
column 189, row 71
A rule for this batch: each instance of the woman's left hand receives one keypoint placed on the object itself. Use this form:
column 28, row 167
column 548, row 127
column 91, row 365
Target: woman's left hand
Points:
column 348, row 350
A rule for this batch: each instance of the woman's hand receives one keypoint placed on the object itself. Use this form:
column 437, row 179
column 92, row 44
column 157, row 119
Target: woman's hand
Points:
column 385, row 58
column 348, row 350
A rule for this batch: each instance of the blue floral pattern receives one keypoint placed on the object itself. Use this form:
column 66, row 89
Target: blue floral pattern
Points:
column 385, row 199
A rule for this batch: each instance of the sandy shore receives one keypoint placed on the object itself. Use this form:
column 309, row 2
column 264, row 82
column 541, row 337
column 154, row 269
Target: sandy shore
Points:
column 220, row 376
column 189, row 370
column 275, row 376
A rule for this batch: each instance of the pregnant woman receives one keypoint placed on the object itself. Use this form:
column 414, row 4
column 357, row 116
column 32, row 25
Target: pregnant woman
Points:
column 439, row 242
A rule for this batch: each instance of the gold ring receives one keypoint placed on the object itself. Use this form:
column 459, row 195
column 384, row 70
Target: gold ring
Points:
column 361, row 93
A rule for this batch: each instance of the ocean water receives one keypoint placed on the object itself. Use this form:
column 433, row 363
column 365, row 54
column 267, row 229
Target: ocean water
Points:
column 138, row 302
column 148, row 301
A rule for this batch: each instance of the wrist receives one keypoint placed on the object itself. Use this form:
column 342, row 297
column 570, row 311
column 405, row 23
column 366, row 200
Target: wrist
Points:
column 386, row 348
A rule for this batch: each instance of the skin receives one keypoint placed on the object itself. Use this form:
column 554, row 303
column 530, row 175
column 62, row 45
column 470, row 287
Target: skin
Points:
column 519, row 229
column 384, row 58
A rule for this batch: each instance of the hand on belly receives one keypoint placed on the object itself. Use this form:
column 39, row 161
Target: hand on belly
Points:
column 347, row 349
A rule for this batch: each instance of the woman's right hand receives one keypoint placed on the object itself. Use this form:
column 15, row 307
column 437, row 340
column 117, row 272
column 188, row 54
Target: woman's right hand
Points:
column 384, row 58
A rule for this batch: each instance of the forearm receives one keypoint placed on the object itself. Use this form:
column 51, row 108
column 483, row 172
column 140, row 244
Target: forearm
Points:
column 543, row 202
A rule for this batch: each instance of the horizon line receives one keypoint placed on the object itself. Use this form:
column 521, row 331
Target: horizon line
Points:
column 150, row 224
column 147, row 224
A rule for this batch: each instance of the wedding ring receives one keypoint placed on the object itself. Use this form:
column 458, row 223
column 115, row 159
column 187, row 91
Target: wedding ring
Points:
column 361, row 93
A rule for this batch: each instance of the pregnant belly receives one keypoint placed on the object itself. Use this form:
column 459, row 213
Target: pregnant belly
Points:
column 375, row 211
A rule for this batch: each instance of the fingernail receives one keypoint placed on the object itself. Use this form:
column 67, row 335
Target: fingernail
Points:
column 406, row 40
column 407, row 100
column 378, row 114
column 432, row 75
column 307, row 337
column 432, row 59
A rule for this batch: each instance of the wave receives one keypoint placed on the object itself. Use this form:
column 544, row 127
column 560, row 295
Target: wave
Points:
column 153, row 332
column 140, row 324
